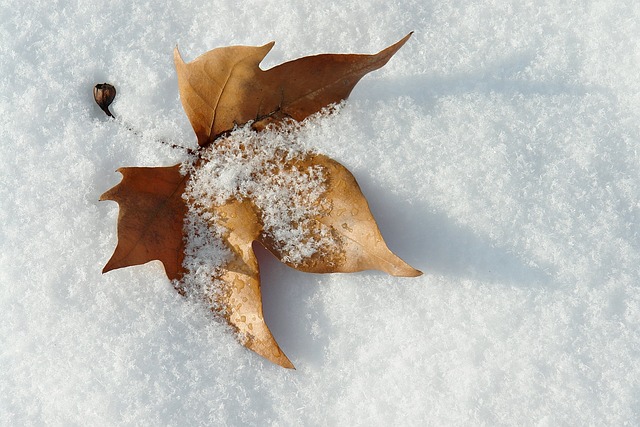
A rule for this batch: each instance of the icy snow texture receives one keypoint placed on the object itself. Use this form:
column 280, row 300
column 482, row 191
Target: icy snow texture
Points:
column 205, row 257
column 497, row 149
column 264, row 168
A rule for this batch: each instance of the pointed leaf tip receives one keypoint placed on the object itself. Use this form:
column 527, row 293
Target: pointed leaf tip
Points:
column 402, row 41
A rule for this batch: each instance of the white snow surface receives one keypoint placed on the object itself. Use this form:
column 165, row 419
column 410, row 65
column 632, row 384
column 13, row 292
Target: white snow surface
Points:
column 498, row 150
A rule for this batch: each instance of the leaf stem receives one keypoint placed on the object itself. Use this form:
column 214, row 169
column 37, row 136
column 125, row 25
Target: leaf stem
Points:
column 137, row 133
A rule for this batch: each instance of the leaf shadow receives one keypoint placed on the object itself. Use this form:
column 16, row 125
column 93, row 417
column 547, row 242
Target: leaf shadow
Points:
column 436, row 244
column 287, row 296
column 507, row 76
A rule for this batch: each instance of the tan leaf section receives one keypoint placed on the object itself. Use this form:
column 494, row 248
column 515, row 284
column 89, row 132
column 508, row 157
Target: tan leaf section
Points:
column 240, row 299
column 151, row 218
column 226, row 87
column 345, row 215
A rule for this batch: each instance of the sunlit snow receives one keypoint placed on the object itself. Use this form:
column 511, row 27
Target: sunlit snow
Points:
column 498, row 150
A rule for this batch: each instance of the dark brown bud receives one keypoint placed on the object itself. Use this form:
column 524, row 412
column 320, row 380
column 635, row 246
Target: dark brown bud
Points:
column 104, row 93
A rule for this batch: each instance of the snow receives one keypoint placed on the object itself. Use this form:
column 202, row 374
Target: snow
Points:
column 498, row 152
column 269, row 169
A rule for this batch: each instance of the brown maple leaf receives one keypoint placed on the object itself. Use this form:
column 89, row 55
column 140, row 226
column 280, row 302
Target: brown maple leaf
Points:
column 319, row 221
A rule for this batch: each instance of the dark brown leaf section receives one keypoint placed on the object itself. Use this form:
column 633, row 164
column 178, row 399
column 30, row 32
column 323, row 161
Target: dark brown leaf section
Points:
column 151, row 218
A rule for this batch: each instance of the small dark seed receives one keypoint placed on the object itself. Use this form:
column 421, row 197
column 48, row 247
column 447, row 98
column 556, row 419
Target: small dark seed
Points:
column 104, row 93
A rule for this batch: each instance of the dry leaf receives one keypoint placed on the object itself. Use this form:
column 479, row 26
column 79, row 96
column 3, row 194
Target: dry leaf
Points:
column 318, row 222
